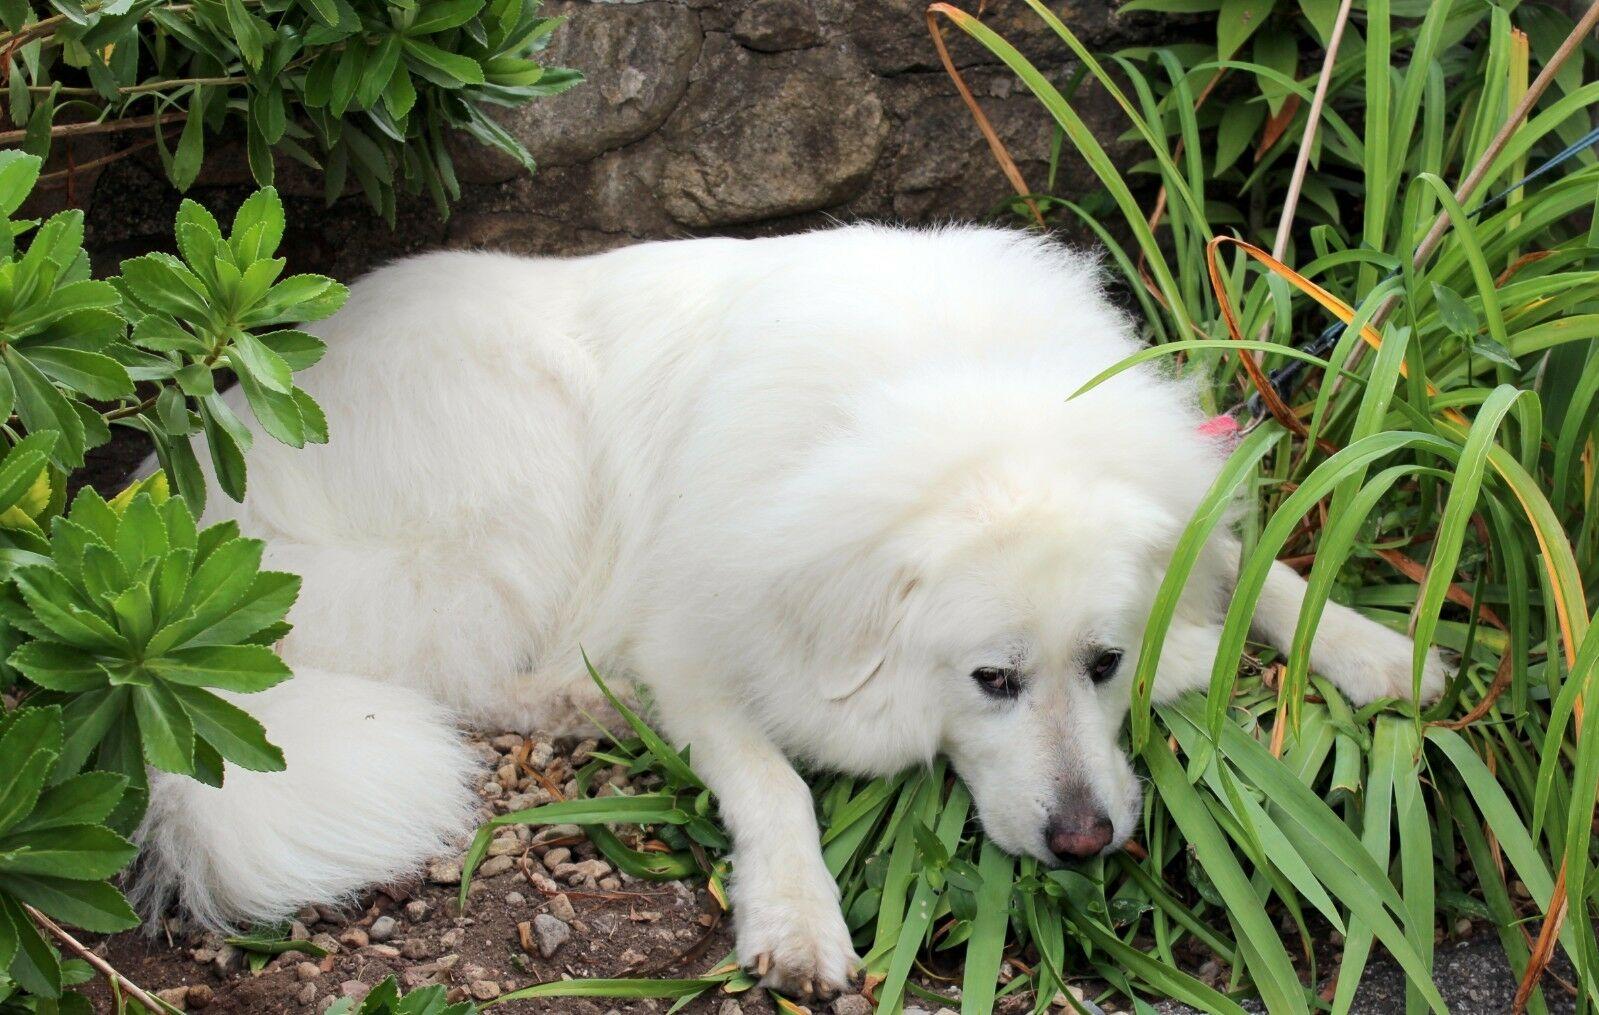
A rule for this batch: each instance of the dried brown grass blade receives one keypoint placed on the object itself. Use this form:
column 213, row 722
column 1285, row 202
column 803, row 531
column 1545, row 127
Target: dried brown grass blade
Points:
column 1002, row 155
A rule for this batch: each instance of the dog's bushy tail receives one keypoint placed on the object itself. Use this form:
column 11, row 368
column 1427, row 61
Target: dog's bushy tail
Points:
column 378, row 781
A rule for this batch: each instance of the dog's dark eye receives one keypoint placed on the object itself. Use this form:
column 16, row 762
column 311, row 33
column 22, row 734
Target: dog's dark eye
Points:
column 998, row 681
column 1104, row 665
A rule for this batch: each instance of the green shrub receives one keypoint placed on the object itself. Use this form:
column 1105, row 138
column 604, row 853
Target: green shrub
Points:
column 364, row 87
column 119, row 618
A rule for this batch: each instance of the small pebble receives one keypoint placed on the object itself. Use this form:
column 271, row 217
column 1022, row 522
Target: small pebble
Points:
column 495, row 866
column 561, row 908
column 485, row 990
column 550, row 933
column 354, row 989
column 354, row 938
column 177, row 997
column 445, row 872
column 515, row 898
column 557, row 856
column 308, row 970
column 416, row 910
column 852, row 1004
column 307, row 994
column 382, row 928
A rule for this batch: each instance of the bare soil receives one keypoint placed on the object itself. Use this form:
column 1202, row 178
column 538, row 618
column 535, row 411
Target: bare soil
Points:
column 619, row 926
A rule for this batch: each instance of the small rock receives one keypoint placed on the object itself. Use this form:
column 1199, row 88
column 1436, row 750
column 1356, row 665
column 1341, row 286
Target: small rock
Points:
column 308, row 970
column 445, row 872
column 550, row 933
column 307, row 994
column 383, row 928
column 200, row 995
column 203, row 955
column 507, row 846
column 561, row 908
column 542, row 754
column 630, row 958
column 1463, row 926
column 542, row 882
column 354, row 938
column 515, row 898
column 550, row 832
column 852, row 1004
column 325, row 941
column 177, row 997
column 485, row 990
column 730, row 1007
column 354, row 989
column 495, row 866
column 582, row 752
column 557, row 856
column 416, row 910
column 308, row 915
column 227, row 960
column 383, row 951
column 506, row 742
column 452, row 938
column 416, row 948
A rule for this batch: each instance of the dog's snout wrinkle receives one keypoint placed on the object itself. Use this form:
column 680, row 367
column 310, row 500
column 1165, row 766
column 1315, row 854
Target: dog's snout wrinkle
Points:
column 1079, row 835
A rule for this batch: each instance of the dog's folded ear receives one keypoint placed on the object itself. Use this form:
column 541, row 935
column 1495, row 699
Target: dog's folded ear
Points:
column 841, row 614
column 869, row 652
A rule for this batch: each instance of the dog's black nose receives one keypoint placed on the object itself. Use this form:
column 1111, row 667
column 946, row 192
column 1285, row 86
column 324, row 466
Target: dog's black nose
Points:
column 1079, row 836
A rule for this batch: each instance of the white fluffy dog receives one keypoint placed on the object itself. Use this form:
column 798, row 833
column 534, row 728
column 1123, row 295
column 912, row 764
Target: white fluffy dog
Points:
column 823, row 495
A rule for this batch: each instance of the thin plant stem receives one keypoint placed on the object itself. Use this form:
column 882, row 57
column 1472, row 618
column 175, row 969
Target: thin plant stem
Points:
column 1296, row 181
column 106, row 969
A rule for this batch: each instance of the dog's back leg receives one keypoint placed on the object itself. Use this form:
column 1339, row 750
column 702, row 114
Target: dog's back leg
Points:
column 377, row 782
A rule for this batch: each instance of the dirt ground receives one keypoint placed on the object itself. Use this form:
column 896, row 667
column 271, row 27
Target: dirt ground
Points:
column 544, row 905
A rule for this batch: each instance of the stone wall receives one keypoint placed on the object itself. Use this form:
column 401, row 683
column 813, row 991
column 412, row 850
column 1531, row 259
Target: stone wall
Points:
column 699, row 116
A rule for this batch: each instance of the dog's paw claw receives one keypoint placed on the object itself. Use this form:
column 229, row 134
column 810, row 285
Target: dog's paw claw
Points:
column 803, row 961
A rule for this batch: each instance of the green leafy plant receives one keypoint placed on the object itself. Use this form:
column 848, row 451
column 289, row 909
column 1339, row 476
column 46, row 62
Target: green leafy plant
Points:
column 55, row 850
column 120, row 619
column 386, row 999
column 348, row 87
column 1437, row 475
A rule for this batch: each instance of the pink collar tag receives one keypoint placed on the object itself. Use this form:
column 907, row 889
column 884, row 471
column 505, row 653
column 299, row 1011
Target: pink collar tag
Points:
column 1223, row 426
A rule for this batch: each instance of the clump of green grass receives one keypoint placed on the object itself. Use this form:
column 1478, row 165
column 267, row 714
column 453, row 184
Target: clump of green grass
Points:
column 1441, row 479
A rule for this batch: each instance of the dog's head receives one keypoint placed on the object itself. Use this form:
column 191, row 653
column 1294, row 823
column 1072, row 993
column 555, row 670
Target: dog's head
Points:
column 993, row 594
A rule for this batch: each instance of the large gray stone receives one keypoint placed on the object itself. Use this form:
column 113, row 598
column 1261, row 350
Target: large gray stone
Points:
column 764, row 135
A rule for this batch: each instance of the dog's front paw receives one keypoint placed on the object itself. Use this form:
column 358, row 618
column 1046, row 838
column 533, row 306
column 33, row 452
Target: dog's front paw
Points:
column 794, row 944
column 1381, row 665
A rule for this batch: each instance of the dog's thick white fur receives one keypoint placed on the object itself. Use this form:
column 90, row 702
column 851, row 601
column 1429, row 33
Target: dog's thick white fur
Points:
column 824, row 495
